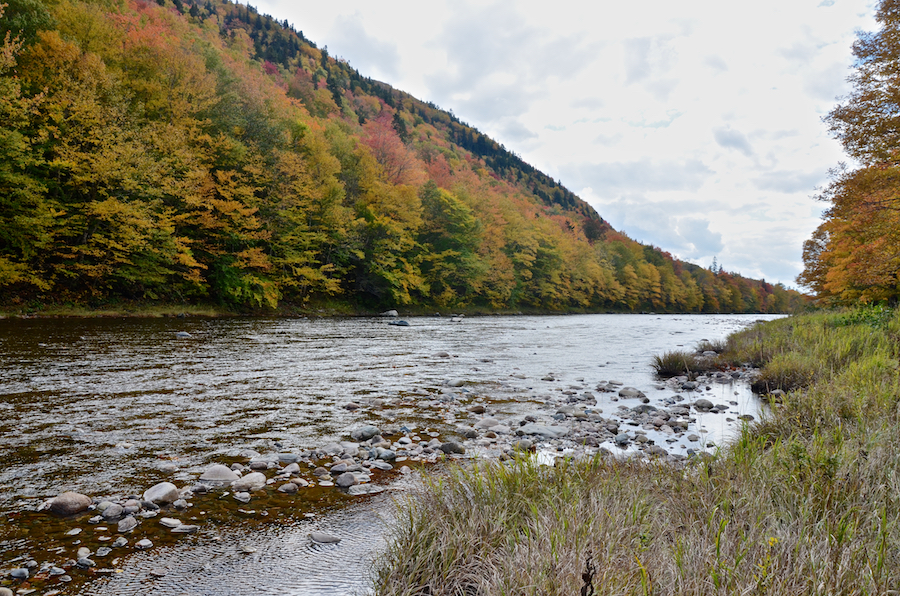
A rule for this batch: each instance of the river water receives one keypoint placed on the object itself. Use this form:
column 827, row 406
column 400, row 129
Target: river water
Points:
column 108, row 407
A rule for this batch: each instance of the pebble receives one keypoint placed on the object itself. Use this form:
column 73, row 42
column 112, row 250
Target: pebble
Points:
column 143, row 544
column 164, row 492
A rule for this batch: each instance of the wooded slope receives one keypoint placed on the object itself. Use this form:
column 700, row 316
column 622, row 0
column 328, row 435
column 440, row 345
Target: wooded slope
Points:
column 199, row 152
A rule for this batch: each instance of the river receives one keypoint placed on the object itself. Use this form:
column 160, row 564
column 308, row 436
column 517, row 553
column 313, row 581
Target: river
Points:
column 108, row 407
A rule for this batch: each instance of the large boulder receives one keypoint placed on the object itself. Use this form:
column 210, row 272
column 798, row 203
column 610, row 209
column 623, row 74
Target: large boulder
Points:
column 164, row 492
column 70, row 503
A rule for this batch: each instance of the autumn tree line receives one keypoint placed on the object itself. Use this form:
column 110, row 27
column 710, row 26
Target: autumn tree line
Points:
column 854, row 255
column 201, row 152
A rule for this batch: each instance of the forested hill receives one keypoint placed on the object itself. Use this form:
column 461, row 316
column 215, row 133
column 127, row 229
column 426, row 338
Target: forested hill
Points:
column 202, row 152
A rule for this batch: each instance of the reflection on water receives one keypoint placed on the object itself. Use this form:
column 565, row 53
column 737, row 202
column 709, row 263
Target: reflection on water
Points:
column 104, row 406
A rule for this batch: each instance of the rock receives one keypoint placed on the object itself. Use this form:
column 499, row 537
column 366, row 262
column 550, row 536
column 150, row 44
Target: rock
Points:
column 689, row 385
column 127, row 524
column 487, row 423
column 169, row 522
column 440, row 355
column 523, row 445
column 157, row 572
column 288, row 458
column 629, row 392
column 19, row 573
column 703, row 404
column 258, row 465
column 365, row 433
column 185, row 529
column 242, row 497
column 103, row 551
column 164, row 492
column 382, row 465
column 657, row 451
column 181, row 504
column 549, row 432
column 390, row 313
column 288, row 487
column 364, row 489
column 85, row 563
column 83, row 552
column 323, row 538
column 119, row 542
column 452, row 447
column 8, row 592
column 622, row 439
column 219, row 473
column 345, row 480
column 291, row 469
column 250, row 482
column 143, row 544
column 351, row 406
column 385, row 454
column 477, row 409
column 456, row 383
column 400, row 323
column 70, row 503
column 183, row 335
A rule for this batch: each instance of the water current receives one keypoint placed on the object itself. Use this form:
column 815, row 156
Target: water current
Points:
column 108, row 407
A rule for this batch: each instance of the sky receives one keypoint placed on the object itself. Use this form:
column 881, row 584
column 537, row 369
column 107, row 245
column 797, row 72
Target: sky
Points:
column 694, row 126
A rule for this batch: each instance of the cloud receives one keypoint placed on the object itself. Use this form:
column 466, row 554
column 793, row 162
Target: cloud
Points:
column 789, row 181
column 371, row 55
column 645, row 175
column 733, row 139
column 716, row 63
column 588, row 103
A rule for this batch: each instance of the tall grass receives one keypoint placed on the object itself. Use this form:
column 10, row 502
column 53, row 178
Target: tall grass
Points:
column 807, row 501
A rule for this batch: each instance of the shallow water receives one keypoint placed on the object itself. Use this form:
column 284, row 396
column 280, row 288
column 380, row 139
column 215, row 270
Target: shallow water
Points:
column 106, row 406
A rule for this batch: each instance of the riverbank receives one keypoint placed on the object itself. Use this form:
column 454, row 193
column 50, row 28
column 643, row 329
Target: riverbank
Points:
column 805, row 501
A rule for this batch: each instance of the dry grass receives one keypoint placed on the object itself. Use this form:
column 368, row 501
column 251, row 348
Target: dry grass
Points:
column 805, row 502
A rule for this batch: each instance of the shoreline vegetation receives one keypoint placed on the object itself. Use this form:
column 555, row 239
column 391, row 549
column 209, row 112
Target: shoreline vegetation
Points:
column 804, row 501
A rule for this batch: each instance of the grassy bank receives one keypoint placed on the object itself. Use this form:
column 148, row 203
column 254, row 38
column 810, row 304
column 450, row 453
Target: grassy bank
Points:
column 806, row 501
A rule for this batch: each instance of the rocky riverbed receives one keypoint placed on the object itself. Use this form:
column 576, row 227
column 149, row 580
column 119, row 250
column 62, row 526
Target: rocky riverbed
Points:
column 275, row 427
column 97, row 533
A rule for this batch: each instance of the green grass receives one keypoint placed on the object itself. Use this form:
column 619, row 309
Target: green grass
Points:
column 805, row 501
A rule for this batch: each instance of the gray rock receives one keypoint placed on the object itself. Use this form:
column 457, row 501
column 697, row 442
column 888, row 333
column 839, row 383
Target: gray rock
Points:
column 143, row 544
column 113, row 511
column 323, row 538
column 523, row 445
column 181, row 504
column 549, row 432
column 288, row 458
column 19, row 573
column 703, row 404
column 629, row 392
column 164, row 492
column 119, row 542
column 103, row 551
column 127, row 524
column 382, row 465
column 70, row 503
column 365, row 433
column 185, row 529
column 364, row 489
column 242, row 497
column 249, row 483
column 85, row 562
column 8, row 592
column 183, row 335
column 333, row 449
column 456, row 383
column 345, row 480
column 452, row 447
column 219, row 473
column 288, row 487
column 400, row 323
column 622, row 439
column 390, row 313
column 169, row 522
column 385, row 454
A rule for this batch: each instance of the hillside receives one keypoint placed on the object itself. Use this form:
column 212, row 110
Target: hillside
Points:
column 203, row 152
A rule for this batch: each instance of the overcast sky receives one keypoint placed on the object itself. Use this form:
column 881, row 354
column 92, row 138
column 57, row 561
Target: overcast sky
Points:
column 694, row 126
